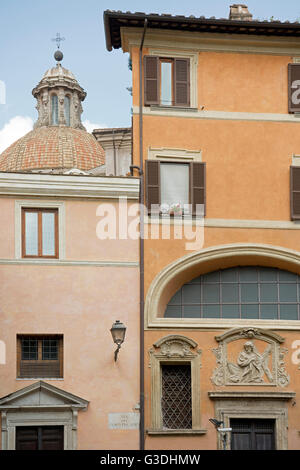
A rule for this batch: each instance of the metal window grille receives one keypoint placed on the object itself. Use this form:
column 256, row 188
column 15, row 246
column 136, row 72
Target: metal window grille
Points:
column 50, row 349
column 40, row 356
column 176, row 396
column 29, row 349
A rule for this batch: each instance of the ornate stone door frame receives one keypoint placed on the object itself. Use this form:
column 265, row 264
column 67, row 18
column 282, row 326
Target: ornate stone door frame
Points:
column 254, row 405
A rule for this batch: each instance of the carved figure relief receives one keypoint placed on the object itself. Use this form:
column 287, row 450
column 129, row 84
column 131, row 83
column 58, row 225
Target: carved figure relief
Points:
column 43, row 109
column 251, row 366
column 77, row 112
column 258, row 361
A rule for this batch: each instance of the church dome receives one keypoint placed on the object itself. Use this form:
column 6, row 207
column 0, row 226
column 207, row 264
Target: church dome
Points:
column 58, row 141
column 53, row 147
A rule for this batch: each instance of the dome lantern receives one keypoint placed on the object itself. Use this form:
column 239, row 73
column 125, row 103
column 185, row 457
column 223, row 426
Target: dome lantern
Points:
column 59, row 142
column 59, row 98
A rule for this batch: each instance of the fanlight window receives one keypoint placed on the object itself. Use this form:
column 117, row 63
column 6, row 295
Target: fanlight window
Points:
column 240, row 292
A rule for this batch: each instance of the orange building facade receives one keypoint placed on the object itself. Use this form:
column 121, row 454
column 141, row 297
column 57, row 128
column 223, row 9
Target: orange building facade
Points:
column 213, row 127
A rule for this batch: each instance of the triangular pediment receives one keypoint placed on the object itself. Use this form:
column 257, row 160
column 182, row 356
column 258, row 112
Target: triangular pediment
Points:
column 42, row 395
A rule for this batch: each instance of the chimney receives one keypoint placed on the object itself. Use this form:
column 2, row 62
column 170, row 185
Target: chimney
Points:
column 239, row 12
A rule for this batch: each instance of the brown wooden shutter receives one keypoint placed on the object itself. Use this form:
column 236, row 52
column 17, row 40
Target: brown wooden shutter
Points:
column 295, row 192
column 151, row 80
column 197, row 185
column 182, row 82
column 294, row 88
column 152, row 184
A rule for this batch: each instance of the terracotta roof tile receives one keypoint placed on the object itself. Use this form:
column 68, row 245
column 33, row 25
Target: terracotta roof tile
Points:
column 53, row 147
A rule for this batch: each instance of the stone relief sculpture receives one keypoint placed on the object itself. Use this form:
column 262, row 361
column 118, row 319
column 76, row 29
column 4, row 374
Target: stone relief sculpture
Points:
column 77, row 113
column 251, row 366
column 260, row 360
column 43, row 109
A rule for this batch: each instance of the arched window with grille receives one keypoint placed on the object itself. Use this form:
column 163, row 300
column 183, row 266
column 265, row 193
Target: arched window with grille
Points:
column 250, row 292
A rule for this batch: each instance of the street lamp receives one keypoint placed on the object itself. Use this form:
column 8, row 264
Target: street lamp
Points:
column 118, row 334
column 223, row 431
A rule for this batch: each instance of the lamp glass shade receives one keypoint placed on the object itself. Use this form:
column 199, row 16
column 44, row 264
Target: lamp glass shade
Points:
column 118, row 332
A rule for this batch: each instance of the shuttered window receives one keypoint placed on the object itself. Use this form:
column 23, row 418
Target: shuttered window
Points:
column 295, row 192
column 166, row 81
column 40, row 356
column 176, row 396
column 174, row 183
column 294, row 88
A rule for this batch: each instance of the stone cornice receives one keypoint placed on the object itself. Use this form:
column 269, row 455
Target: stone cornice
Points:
column 210, row 42
column 12, row 184
column 221, row 395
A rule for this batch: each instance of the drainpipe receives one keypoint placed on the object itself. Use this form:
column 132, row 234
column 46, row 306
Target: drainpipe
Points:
column 142, row 386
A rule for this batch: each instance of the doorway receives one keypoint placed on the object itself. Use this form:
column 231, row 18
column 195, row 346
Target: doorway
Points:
column 39, row 438
column 253, row 434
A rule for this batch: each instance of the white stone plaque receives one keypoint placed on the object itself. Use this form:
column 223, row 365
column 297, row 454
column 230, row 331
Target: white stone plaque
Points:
column 123, row 420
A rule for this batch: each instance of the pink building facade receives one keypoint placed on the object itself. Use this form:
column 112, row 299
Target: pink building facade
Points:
column 63, row 283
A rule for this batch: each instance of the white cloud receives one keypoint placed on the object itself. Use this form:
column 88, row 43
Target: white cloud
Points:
column 14, row 130
column 90, row 126
column 21, row 125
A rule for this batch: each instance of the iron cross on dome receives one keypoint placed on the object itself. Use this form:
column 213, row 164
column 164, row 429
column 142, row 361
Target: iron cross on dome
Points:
column 58, row 40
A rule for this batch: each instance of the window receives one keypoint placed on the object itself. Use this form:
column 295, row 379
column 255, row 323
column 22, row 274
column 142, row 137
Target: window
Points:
column 54, row 110
column 175, row 386
column 67, row 110
column 295, row 192
column 242, row 292
column 174, row 184
column 39, row 233
column 39, row 356
column 176, row 400
column 166, row 81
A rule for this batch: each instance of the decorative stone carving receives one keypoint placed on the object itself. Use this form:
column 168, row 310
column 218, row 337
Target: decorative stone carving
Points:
column 173, row 346
column 174, row 349
column 77, row 111
column 257, row 361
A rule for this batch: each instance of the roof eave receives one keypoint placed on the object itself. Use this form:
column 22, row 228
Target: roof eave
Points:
column 268, row 28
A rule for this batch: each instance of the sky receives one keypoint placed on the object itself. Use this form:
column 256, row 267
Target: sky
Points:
column 27, row 28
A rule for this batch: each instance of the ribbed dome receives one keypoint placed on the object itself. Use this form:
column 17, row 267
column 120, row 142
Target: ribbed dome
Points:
column 56, row 147
column 58, row 71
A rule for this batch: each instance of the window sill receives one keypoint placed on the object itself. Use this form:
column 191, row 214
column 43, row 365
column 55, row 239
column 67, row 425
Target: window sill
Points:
column 156, row 107
column 174, row 432
column 39, row 378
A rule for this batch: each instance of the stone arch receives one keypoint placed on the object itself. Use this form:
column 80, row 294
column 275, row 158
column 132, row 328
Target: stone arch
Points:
column 173, row 276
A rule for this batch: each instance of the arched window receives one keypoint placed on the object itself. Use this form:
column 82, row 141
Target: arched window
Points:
column 67, row 110
column 54, row 110
column 241, row 292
